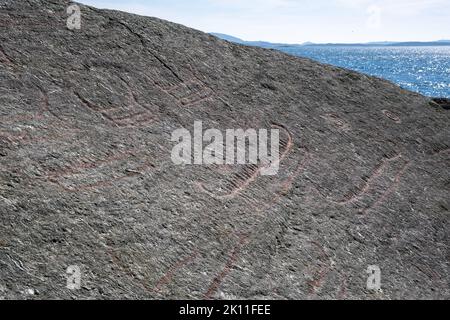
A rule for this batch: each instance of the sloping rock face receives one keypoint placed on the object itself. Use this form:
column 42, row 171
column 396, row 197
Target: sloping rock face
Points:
column 86, row 177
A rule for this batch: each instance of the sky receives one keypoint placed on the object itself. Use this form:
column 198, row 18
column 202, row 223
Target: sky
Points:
column 299, row 21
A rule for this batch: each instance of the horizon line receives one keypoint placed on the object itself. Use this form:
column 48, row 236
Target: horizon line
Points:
column 330, row 43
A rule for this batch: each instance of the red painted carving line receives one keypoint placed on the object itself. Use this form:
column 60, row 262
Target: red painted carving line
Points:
column 343, row 290
column 318, row 279
column 289, row 143
column 197, row 76
column 366, row 186
column 126, row 117
column 145, row 107
column 243, row 239
column 186, row 100
column 87, row 103
column 428, row 272
column 134, row 120
column 132, row 123
column 95, row 164
column 46, row 108
column 108, row 182
column 238, row 178
column 169, row 274
column 390, row 190
column 194, row 88
column 38, row 116
column 320, row 276
column 392, row 116
column 186, row 103
column 45, row 100
column 168, row 89
column 125, row 121
column 192, row 99
column 159, row 86
column 230, row 263
column 246, row 182
column 285, row 186
column 241, row 186
column 335, row 120
column 236, row 188
column 94, row 108
column 147, row 117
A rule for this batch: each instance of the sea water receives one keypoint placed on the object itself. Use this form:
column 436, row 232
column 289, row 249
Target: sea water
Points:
column 421, row 69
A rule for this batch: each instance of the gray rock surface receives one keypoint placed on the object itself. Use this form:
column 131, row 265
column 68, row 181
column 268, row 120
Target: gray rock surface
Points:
column 86, row 177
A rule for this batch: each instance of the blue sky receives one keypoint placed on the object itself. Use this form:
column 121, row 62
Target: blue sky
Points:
column 298, row 21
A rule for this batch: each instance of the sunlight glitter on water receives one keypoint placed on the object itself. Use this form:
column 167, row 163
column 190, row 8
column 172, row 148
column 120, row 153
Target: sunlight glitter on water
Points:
column 421, row 69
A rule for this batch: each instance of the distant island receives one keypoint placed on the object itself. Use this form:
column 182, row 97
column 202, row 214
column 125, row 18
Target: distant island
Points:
column 266, row 44
column 401, row 62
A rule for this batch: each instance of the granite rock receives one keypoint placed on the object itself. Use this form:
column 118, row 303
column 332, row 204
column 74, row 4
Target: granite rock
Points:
column 86, row 177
